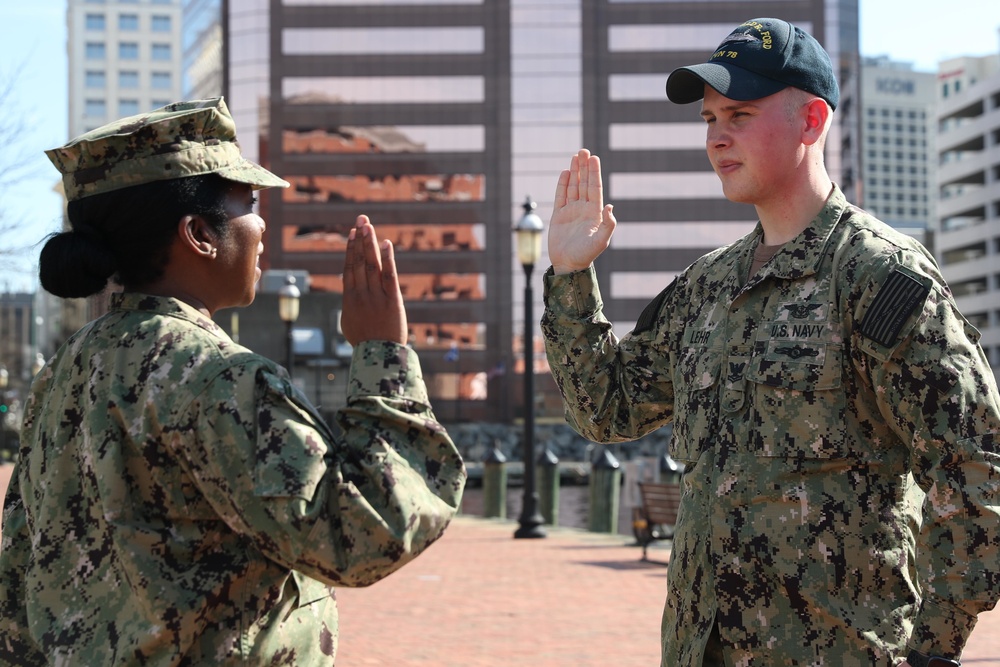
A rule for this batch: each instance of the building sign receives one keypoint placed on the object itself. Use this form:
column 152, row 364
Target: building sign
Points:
column 895, row 86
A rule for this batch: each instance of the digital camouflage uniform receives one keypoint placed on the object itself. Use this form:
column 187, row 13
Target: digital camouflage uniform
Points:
column 179, row 502
column 814, row 407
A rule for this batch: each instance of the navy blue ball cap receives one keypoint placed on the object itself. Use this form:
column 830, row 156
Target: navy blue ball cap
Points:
column 757, row 59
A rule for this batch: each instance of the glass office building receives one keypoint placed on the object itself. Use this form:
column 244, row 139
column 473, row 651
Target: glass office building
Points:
column 438, row 119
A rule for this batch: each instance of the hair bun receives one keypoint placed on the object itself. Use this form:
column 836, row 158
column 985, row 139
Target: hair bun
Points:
column 75, row 264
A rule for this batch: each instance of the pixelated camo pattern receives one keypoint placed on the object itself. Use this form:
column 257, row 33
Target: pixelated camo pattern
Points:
column 179, row 502
column 175, row 141
column 841, row 498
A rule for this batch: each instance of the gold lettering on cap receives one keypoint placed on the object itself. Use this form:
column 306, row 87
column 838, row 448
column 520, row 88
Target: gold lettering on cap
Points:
column 766, row 35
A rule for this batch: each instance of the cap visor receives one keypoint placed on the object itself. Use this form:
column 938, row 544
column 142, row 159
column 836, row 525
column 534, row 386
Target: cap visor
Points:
column 687, row 84
column 253, row 174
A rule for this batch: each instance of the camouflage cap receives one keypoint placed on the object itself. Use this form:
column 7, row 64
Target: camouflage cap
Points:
column 175, row 141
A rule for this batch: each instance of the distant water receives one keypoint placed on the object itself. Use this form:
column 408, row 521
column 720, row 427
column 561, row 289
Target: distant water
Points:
column 574, row 506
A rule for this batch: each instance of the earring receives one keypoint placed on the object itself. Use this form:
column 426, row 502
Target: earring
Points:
column 215, row 251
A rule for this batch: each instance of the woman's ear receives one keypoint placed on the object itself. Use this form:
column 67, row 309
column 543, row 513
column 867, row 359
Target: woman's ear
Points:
column 197, row 236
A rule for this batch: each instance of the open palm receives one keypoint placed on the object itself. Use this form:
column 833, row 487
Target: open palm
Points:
column 373, row 305
column 581, row 225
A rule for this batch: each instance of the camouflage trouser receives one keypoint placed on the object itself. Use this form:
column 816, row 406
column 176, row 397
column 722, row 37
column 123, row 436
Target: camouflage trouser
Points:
column 713, row 650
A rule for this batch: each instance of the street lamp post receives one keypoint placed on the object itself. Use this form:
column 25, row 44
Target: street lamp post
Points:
column 529, row 250
column 288, row 310
column 38, row 364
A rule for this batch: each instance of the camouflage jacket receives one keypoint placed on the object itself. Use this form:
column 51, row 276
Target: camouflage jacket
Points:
column 838, row 420
column 177, row 501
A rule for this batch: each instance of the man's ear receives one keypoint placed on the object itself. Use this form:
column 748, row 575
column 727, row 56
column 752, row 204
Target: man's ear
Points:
column 197, row 236
column 817, row 115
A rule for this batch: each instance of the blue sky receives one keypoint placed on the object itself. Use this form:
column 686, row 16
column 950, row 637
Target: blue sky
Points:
column 33, row 34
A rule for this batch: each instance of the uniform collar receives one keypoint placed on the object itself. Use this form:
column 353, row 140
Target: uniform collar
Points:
column 164, row 305
column 802, row 255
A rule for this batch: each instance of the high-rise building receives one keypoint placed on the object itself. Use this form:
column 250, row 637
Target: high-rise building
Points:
column 967, row 241
column 124, row 59
column 202, row 49
column 898, row 155
column 439, row 117
column 667, row 198
column 17, row 336
column 401, row 113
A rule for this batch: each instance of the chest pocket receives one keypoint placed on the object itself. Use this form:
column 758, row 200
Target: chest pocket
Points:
column 799, row 365
column 696, row 402
column 797, row 404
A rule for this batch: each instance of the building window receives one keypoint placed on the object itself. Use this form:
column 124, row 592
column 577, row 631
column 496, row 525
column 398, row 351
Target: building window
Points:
column 129, row 22
column 161, row 52
column 128, row 79
column 95, row 51
column 128, row 51
column 128, row 107
column 95, row 22
column 160, row 103
column 95, row 79
column 161, row 80
column 95, row 108
column 161, row 23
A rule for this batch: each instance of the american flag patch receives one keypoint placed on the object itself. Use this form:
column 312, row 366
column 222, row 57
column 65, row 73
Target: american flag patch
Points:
column 893, row 305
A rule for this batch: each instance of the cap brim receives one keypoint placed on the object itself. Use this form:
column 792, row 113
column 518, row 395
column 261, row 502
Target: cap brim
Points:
column 253, row 174
column 687, row 84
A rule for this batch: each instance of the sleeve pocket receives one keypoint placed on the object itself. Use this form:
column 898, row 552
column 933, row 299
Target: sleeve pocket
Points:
column 292, row 442
column 311, row 591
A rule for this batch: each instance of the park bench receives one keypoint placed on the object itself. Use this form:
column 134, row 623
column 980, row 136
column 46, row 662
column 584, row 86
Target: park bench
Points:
column 656, row 517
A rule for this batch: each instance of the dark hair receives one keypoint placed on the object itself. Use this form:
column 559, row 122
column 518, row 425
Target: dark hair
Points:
column 126, row 234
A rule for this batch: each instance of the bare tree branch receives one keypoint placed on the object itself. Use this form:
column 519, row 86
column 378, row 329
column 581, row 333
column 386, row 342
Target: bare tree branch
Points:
column 18, row 166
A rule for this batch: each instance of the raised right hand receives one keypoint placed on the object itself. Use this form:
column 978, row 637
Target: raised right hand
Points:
column 581, row 225
column 373, row 304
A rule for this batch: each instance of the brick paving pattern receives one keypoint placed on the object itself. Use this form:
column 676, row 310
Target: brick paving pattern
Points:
column 480, row 598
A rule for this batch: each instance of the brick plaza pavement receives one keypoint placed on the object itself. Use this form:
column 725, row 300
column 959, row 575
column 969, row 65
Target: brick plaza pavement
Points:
column 480, row 598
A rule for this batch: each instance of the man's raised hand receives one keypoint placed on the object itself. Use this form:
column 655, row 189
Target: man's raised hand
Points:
column 581, row 225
